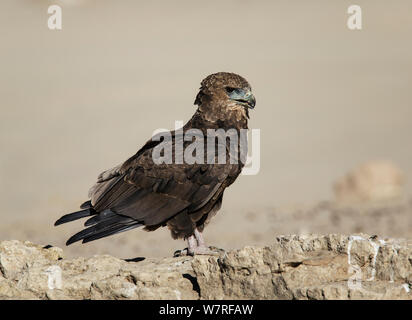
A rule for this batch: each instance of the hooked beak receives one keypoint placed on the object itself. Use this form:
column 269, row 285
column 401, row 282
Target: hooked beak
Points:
column 251, row 100
column 245, row 98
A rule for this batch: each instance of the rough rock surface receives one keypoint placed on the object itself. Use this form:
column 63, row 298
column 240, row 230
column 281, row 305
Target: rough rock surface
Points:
column 293, row 267
column 310, row 267
column 30, row 271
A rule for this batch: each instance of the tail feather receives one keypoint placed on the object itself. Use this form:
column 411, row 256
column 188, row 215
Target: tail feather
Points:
column 75, row 216
column 101, row 224
column 109, row 224
column 102, row 216
column 111, row 232
column 86, row 205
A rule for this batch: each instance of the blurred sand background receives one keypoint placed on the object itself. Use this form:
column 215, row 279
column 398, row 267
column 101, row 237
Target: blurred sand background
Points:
column 77, row 101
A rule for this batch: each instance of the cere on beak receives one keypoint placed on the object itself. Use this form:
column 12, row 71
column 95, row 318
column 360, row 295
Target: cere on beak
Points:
column 241, row 96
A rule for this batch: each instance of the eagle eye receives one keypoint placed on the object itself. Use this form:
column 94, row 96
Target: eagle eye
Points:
column 230, row 90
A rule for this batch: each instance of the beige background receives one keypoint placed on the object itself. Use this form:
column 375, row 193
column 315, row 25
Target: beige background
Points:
column 77, row 101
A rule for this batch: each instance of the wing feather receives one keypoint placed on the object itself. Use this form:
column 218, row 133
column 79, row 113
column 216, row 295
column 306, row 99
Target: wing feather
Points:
column 153, row 193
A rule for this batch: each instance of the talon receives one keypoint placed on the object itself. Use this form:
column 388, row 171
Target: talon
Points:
column 203, row 250
column 196, row 245
column 181, row 253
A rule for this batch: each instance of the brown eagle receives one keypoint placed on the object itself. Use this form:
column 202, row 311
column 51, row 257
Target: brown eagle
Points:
column 182, row 196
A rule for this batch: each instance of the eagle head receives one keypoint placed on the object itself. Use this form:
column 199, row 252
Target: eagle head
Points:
column 228, row 90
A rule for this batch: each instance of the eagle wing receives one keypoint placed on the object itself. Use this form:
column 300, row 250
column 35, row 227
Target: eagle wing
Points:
column 153, row 193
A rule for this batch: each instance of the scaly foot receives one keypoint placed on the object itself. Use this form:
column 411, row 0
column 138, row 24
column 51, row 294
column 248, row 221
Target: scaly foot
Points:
column 196, row 245
column 204, row 251
column 200, row 250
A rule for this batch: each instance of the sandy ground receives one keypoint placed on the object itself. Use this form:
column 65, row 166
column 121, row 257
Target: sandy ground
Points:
column 77, row 101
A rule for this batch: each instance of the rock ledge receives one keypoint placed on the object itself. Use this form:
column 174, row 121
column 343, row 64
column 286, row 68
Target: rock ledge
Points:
column 293, row 267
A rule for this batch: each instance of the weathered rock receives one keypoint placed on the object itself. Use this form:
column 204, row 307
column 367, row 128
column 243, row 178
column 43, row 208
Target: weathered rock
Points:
column 31, row 271
column 310, row 267
column 372, row 181
column 293, row 267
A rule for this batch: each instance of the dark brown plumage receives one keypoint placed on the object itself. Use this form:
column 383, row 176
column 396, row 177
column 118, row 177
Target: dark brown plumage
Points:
column 182, row 197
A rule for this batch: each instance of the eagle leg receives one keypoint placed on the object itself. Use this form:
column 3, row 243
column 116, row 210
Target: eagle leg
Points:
column 201, row 247
column 196, row 245
column 190, row 250
column 199, row 238
column 191, row 245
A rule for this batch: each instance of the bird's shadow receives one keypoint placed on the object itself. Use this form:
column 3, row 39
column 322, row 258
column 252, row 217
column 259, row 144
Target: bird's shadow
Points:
column 137, row 259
